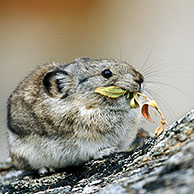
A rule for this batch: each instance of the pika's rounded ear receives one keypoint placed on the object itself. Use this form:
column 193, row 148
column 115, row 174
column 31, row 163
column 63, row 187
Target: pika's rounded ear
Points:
column 54, row 83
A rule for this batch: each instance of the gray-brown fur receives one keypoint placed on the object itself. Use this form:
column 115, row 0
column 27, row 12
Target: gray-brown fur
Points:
column 56, row 119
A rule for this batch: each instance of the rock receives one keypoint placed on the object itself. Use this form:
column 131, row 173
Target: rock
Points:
column 162, row 165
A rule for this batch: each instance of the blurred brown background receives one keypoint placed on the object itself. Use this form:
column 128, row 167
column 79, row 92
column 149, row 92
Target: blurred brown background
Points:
column 35, row 32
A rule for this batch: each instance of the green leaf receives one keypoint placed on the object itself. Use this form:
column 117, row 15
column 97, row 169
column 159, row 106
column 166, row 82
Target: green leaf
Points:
column 128, row 95
column 134, row 101
column 135, row 95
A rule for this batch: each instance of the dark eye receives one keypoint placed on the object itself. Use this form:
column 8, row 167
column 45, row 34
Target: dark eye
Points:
column 106, row 73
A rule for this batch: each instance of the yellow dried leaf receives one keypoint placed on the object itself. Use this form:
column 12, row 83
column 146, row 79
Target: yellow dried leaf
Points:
column 134, row 103
column 159, row 129
column 145, row 112
column 135, row 95
column 153, row 103
column 128, row 95
column 111, row 91
column 115, row 92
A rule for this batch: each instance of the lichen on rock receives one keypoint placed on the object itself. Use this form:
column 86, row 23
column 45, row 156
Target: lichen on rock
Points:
column 161, row 165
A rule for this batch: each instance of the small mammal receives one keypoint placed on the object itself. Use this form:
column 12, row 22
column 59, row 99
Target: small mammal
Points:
column 55, row 118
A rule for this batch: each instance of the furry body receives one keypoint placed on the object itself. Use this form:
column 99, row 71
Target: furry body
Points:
column 56, row 119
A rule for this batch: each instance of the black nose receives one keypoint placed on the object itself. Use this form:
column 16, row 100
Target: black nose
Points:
column 139, row 78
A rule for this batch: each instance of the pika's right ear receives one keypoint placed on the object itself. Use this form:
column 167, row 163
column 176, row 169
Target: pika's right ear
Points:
column 54, row 83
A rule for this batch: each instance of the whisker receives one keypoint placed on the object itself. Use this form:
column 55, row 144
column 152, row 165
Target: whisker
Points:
column 129, row 56
column 168, row 74
column 147, row 58
column 150, row 84
column 120, row 54
column 156, row 63
column 159, row 66
column 172, row 86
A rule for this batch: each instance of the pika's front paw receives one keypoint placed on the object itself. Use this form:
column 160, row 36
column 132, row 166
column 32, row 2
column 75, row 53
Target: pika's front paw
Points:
column 106, row 152
column 45, row 171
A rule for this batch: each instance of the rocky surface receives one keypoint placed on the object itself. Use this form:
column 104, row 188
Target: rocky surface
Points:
column 162, row 165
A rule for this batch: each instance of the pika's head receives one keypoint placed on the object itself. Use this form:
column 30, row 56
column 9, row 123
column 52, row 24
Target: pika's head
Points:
column 83, row 76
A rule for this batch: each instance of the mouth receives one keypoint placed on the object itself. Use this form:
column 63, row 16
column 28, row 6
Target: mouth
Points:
column 115, row 92
column 128, row 95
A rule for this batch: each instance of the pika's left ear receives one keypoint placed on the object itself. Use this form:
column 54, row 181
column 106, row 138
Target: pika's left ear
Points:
column 54, row 83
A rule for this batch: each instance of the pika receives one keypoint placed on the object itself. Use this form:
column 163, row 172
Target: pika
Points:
column 56, row 119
